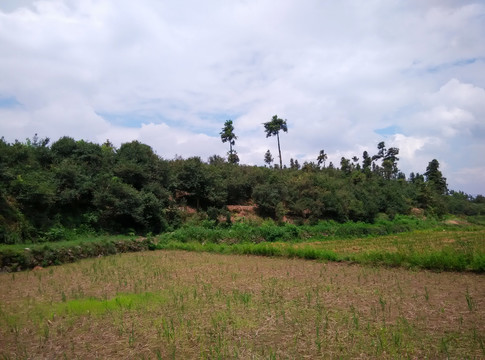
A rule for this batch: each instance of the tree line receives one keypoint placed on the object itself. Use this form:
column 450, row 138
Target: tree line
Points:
column 83, row 186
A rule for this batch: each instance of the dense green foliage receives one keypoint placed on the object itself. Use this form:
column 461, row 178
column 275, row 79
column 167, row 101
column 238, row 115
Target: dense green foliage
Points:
column 17, row 258
column 49, row 191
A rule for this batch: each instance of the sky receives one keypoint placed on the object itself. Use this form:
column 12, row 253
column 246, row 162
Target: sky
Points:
column 345, row 75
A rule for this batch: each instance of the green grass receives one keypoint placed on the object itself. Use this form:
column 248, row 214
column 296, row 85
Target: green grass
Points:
column 406, row 241
column 98, row 307
column 269, row 231
column 427, row 249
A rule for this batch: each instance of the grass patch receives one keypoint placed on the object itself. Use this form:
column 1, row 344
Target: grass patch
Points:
column 98, row 307
column 449, row 245
column 269, row 231
column 426, row 249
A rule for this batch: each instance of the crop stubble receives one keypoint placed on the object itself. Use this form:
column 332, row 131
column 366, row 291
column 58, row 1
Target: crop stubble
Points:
column 197, row 305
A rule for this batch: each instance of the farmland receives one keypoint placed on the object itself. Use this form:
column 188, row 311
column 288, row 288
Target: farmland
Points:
column 177, row 304
column 450, row 248
column 408, row 288
column 451, row 245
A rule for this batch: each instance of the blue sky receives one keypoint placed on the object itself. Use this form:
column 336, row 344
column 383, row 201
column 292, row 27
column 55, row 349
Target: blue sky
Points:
column 8, row 102
column 346, row 75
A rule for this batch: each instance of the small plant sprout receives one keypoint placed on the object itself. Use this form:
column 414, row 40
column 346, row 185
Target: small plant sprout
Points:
column 469, row 300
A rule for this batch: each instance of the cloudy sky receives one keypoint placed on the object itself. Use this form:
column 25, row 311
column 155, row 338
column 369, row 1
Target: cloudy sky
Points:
column 345, row 74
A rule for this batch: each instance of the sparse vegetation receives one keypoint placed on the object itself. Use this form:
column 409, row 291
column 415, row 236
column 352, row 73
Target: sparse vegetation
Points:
column 171, row 304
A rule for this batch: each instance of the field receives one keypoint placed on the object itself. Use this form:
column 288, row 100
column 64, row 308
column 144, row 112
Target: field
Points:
column 176, row 304
column 451, row 245
column 450, row 249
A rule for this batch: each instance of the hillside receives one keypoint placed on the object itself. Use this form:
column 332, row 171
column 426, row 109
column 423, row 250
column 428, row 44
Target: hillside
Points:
column 82, row 187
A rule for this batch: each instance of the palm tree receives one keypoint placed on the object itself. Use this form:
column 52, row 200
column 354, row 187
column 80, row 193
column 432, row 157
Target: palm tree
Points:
column 227, row 135
column 273, row 127
column 322, row 157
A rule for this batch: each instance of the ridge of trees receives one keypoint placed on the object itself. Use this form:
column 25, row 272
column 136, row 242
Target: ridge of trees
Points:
column 81, row 185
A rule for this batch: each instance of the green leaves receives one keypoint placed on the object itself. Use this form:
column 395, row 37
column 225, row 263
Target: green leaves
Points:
column 274, row 126
column 227, row 135
column 79, row 184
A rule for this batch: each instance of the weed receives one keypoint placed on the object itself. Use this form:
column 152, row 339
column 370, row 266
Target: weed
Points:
column 131, row 336
column 242, row 297
column 469, row 301
column 444, row 346
column 168, row 329
column 318, row 340
column 158, row 354
column 383, row 302
column 355, row 317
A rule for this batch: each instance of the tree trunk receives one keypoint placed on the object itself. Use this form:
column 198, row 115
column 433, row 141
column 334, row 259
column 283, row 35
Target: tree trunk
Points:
column 279, row 150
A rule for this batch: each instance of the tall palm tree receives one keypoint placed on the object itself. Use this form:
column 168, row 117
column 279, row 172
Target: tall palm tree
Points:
column 272, row 128
column 227, row 135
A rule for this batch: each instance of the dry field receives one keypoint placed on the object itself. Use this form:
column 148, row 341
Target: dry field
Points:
column 173, row 304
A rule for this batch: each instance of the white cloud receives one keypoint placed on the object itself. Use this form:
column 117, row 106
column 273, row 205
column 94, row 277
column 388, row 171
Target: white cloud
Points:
column 469, row 178
column 459, row 94
column 170, row 73
column 443, row 120
column 169, row 142
column 416, row 152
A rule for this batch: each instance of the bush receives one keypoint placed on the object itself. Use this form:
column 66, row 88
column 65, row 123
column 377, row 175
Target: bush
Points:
column 8, row 236
column 56, row 233
column 13, row 260
column 51, row 254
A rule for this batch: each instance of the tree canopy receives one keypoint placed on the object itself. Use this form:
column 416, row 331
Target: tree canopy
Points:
column 78, row 185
